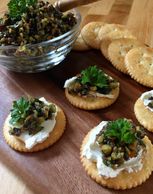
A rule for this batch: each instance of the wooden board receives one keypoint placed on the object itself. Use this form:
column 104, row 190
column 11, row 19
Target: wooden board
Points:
column 58, row 169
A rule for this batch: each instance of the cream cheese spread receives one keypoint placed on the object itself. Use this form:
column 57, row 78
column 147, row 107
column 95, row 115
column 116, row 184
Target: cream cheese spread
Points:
column 69, row 81
column 145, row 98
column 32, row 140
column 93, row 153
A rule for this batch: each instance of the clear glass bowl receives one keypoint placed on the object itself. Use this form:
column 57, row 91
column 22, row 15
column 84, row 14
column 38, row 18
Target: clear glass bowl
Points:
column 41, row 56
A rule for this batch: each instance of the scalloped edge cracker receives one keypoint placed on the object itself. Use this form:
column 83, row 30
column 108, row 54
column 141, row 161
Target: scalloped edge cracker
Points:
column 139, row 64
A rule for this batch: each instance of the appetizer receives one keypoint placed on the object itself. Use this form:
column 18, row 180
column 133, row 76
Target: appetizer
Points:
column 33, row 124
column 117, row 154
column 91, row 89
column 143, row 109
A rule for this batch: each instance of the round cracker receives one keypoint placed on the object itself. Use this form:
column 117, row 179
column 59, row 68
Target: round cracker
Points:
column 143, row 115
column 92, row 103
column 90, row 34
column 117, row 50
column 80, row 44
column 113, row 36
column 107, row 28
column 139, row 64
column 57, row 132
column 124, row 180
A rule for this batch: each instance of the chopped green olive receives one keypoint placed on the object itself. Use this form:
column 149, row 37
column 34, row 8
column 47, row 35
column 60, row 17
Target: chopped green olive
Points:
column 100, row 139
column 106, row 149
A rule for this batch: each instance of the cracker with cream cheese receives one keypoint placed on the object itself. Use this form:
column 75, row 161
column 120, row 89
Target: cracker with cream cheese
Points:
column 123, row 180
column 54, row 136
column 92, row 89
column 143, row 115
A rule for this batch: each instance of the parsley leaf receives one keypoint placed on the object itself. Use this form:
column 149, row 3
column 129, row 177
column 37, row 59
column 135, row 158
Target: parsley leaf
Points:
column 121, row 130
column 95, row 77
column 18, row 7
column 20, row 111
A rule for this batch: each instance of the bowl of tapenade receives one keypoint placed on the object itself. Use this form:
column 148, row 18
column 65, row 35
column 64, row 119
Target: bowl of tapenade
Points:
column 35, row 36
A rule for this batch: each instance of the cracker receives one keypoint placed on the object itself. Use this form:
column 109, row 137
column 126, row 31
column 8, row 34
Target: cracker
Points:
column 105, row 42
column 139, row 64
column 91, row 103
column 90, row 34
column 103, row 32
column 118, row 49
column 124, row 180
column 143, row 115
column 80, row 44
column 57, row 132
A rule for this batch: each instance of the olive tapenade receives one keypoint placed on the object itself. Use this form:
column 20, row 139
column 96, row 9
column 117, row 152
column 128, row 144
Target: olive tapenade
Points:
column 37, row 22
column 120, row 141
column 91, row 82
column 29, row 114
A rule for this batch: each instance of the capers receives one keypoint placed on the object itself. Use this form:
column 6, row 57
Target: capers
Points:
column 106, row 149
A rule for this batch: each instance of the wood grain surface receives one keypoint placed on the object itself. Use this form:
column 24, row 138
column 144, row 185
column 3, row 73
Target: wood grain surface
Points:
column 58, row 170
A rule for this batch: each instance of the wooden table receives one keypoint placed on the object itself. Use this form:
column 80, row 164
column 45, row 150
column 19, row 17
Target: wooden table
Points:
column 24, row 173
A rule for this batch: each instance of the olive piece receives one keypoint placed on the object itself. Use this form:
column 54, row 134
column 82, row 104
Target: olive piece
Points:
column 117, row 155
column 100, row 139
column 106, row 149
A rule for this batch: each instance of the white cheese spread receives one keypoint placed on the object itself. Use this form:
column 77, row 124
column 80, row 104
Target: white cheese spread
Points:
column 145, row 98
column 32, row 140
column 92, row 152
column 69, row 81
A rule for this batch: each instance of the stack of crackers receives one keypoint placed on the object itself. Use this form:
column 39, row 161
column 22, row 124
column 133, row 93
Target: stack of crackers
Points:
column 120, row 47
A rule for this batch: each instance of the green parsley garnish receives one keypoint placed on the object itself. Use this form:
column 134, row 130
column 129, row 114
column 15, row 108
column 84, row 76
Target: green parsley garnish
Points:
column 18, row 7
column 121, row 130
column 95, row 77
column 20, row 111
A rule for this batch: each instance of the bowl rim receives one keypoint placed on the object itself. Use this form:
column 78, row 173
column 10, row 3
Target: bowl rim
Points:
column 76, row 13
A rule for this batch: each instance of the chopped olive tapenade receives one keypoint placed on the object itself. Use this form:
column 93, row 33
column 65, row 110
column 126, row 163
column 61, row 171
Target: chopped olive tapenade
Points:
column 120, row 141
column 31, row 22
column 92, row 81
column 29, row 114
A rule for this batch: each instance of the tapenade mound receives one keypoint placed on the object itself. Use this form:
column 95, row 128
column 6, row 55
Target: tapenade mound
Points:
column 30, row 22
column 33, row 124
column 91, row 89
column 117, row 154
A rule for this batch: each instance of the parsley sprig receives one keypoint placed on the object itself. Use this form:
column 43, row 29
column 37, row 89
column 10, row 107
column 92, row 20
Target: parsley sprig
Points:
column 121, row 130
column 94, row 76
column 18, row 7
column 19, row 111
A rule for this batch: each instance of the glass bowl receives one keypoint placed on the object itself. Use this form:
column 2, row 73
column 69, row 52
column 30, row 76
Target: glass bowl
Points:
column 41, row 56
